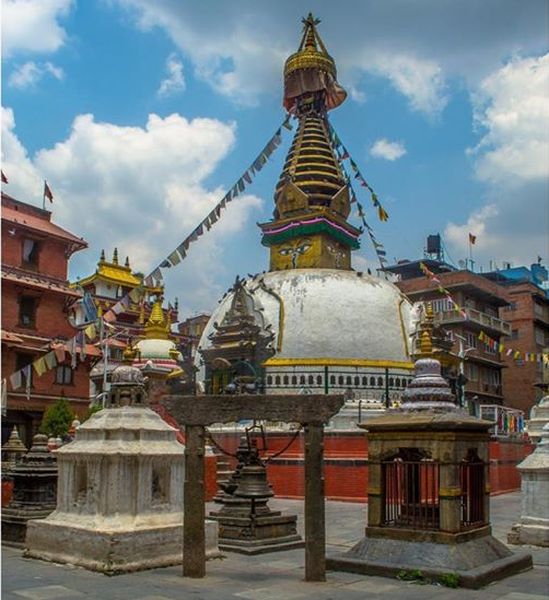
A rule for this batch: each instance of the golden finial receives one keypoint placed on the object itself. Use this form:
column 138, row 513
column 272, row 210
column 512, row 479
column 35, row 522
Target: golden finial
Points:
column 425, row 333
column 115, row 256
column 158, row 325
column 426, row 344
column 129, row 353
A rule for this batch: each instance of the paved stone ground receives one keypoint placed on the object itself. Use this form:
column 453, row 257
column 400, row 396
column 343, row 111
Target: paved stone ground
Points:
column 276, row 576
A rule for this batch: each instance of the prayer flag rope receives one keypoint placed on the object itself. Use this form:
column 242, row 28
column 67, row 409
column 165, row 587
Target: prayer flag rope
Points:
column 343, row 154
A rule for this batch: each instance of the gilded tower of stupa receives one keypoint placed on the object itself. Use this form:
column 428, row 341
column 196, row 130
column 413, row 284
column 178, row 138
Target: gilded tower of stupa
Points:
column 328, row 328
column 310, row 228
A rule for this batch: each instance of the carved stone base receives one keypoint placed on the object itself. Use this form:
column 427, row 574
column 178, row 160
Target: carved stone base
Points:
column 530, row 531
column 476, row 561
column 112, row 552
column 14, row 524
column 269, row 531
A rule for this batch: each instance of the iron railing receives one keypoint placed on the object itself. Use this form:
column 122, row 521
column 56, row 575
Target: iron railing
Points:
column 471, row 475
column 410, row 494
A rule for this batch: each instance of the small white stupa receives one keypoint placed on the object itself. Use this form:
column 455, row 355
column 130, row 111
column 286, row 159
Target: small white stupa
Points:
column 120, row 490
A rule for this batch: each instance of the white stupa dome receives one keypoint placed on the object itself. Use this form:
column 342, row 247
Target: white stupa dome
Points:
column 328, row 317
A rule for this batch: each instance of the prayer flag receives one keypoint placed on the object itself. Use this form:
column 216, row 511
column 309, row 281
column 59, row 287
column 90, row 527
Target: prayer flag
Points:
column 59, row 350
column 383, row 216
column 182, row 251
column 39, row 366
column 287, row 124
column 240, row 185
column 51, row 359
column 134, row 295
column 174, row 258
column 90, row 331
column 165, row 264
column 15, row 380
column 247, row 177
column 4, row 178
column 109, row 316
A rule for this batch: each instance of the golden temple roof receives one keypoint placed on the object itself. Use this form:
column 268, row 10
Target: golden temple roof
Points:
column 113, row 272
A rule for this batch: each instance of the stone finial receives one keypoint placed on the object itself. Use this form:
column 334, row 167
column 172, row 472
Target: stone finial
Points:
column 127, row 387
column 38, row 456
column 428, row 390
column 115, row 256
column 102, row 256
column 12, row 450
column 127, row 262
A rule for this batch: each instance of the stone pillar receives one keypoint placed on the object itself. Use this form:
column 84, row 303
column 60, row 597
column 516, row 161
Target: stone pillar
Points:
column 315, row 526
column 539, row 416
column 533, row 525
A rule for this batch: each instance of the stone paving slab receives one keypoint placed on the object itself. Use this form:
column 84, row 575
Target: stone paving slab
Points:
column 269, row 576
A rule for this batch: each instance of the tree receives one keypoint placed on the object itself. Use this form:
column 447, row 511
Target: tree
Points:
column 57, row 419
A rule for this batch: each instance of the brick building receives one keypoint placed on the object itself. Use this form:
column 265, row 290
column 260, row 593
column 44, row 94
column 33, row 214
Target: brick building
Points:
column 528, row 314
column 481, row 299
column 35, row 303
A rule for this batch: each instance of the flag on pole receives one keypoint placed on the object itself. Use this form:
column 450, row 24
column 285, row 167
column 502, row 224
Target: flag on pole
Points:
column 4, row 178
column 47, row 191
column 472, row 238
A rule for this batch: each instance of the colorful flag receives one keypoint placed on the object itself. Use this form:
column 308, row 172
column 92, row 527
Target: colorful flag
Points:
column 50, row 359
column 40, row 366
column 174, row 258
column 165, row 264
column 91, row 332
column 472, row 238
column 247, row 177
column 47, row 191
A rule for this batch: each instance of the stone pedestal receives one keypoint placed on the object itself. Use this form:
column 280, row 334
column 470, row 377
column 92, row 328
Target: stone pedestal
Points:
column 428, row 492
column 533, row 525
column 35, row 481
column 120, row 491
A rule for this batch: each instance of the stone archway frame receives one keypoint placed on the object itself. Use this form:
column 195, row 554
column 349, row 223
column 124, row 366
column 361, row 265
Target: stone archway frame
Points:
column 313, row 411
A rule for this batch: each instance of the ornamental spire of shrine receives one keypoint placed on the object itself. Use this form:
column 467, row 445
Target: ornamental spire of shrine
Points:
column 310, row 228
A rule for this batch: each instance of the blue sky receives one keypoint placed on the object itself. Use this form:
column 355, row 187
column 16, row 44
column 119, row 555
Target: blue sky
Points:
column 142, row 114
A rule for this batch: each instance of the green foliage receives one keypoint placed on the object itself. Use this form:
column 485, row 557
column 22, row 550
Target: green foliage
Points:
column 450, row 580
column 57, row 419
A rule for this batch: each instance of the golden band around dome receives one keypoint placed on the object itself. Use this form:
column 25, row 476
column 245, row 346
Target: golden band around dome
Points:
column 310, row 59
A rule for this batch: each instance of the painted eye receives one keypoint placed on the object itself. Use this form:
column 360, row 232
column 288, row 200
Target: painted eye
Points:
column 303, row 248
column 285, row 251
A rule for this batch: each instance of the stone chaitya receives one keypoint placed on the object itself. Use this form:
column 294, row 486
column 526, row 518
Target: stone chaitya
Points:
column 533, row 525
column 120, row 490
column 34, row 487
column 428, row 490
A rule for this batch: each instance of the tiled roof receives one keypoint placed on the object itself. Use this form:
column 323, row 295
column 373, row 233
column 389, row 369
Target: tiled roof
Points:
column 38, row 281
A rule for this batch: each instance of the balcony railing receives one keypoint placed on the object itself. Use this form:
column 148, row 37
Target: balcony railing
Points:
column 475, row 316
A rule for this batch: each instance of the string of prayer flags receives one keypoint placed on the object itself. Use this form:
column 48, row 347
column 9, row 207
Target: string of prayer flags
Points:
column 343, row 154
column 500, row 347
column 427, row 272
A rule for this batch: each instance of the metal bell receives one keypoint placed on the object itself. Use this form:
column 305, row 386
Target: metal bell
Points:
column 253, row 483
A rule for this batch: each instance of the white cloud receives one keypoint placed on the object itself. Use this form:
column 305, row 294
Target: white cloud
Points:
column 355, row 94
column 383, row 148
column 139, row 188
column 175, row 81
column 420, row 80
column 33, row 25
column 512, row 158
column 30, row 73
column 511, row 107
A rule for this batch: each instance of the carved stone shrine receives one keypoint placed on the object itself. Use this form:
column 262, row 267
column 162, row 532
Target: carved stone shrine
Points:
column 34, row 490
column 428, row 491
column 120, row 496
column 533, row 525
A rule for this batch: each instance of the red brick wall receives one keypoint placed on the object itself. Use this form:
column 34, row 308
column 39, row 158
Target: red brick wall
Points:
column 346, row 471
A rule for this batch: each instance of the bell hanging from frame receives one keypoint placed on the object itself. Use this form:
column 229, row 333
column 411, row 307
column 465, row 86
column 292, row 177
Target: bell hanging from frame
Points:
column 253, row 483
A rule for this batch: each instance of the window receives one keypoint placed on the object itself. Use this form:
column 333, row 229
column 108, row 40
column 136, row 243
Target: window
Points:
column 31, row 250
column 372, row 382
column 391, row 382
column 380, row 381
column 398, row 382
column 442, row 305
column 294, row 380
column 332, row 379
column 277, row 380
column 471, row 371
column 311, row 379
column 340, row 380
column 63, row 375
column 302, row 380
column 319, row 380
column 349, row 380
column 285, row 379
column 27, row 311
column 365, row 381
column 511, row 306
column 538, row 309
column 357, row 381
column 471, row 340
column 540, row 336
column 514, row 334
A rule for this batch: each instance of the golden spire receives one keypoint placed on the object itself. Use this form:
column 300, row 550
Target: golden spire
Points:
column 158, row 325
column 425, row 335
column 115, row 256
column 102, row 257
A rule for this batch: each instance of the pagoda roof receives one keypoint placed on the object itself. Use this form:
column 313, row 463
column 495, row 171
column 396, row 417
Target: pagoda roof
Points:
column 113, row 274
column 37, row 220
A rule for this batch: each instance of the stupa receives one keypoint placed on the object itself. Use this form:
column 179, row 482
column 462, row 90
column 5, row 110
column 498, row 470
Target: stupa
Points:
column 120, row 490
column 333, row 329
